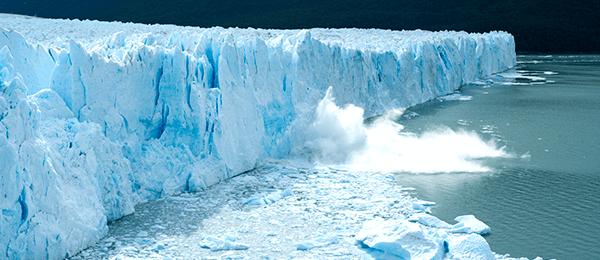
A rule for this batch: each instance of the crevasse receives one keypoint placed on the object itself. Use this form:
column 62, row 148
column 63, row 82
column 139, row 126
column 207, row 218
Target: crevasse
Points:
column 97, row 117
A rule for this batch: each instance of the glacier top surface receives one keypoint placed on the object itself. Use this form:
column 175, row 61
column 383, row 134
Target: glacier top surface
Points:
column 55, row 32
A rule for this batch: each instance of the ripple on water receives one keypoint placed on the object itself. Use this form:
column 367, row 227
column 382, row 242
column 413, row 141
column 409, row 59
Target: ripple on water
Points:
column 531, row 212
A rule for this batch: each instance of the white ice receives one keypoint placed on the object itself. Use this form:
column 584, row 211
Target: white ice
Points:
column 470, row 224
column 428, row 238
column 471, row 246
column 400, row 239
column 428, row 220
column 221, row 244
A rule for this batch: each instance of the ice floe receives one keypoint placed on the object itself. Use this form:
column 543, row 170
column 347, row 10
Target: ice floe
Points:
column 470, row 224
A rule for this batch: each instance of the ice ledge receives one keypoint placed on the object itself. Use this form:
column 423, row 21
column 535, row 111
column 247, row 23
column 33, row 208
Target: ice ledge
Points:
column 96, row 117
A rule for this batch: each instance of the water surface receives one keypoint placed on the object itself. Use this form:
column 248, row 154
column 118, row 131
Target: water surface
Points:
column 545, row 201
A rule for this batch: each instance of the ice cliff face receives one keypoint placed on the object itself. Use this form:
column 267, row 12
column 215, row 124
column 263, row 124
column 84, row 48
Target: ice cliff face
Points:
column 96, row 117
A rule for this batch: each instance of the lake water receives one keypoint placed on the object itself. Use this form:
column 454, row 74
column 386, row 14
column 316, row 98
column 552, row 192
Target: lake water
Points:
column 545, row 200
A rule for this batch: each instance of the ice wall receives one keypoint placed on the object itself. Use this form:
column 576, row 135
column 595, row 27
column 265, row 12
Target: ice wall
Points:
column 96, row 117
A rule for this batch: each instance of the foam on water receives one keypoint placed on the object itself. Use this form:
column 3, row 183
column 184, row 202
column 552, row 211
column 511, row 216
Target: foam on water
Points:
column 338, row 135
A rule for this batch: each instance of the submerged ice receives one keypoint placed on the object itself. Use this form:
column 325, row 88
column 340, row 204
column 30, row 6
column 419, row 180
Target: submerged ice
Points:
column 97, row 117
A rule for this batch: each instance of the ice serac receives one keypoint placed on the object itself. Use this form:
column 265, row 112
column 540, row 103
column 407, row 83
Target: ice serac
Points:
column 96, row 117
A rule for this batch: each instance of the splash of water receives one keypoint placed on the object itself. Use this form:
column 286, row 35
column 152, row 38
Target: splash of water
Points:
column 339, row 136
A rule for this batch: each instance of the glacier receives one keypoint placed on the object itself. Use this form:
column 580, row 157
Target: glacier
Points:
column 97, row 117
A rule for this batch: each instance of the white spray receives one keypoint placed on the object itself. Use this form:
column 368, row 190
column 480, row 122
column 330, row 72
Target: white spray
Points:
column 339, row 136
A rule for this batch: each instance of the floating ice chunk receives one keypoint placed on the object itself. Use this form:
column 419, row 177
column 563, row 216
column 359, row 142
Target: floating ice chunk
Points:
column 517, row 75
column 550, row 73
column 522, row 78
column 462, row 122
column 483, row 82
column 159, row 247
column 422, row 206
column 470, row 224
column 306, row 245
column 143, row 240
column 218, row 244
column 410, row 115
column 400, row 239
column 425, row 203
column 455, row 97
column 320, row 242
column 158, row 227
column 428, row 220
column 471, row 246
column 269, row 198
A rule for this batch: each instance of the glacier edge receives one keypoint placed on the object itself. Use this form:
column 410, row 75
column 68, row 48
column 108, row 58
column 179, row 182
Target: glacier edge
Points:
column 97, row 117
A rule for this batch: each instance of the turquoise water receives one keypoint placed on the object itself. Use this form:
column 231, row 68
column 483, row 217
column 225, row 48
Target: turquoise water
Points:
column 545, row 200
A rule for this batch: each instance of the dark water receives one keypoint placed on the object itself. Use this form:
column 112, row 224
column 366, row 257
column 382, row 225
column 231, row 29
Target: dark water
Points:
column 545, row 201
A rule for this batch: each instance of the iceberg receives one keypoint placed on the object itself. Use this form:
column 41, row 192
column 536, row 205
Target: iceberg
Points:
column 428, row 220
column 97, row 117
column 470, row 224
column 401, row 239
column 422, row 205
column 471, row 246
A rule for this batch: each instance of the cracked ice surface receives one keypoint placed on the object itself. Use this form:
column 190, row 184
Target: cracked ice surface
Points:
column 319, row 219
column 328, row 213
